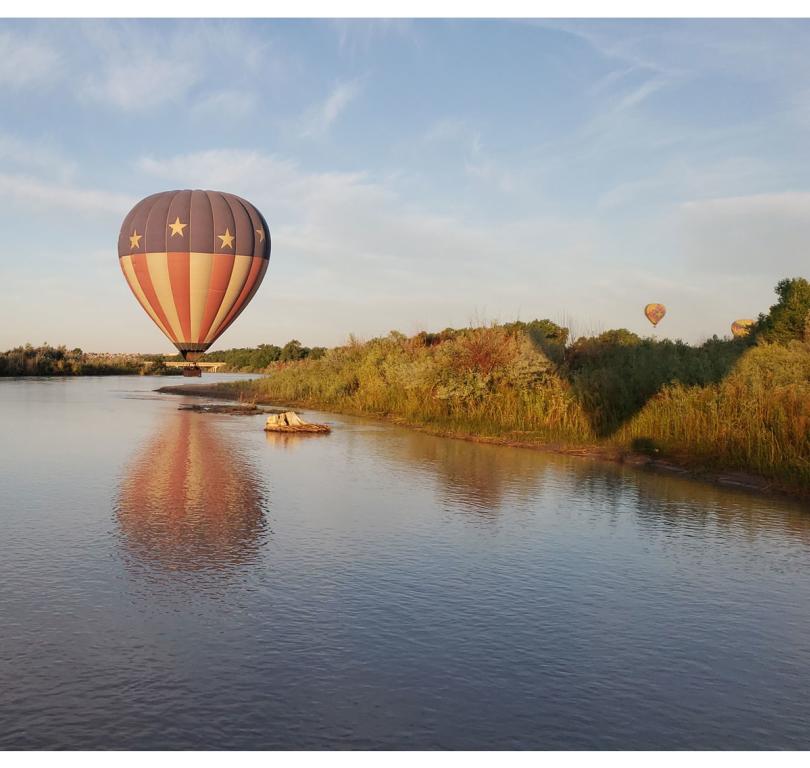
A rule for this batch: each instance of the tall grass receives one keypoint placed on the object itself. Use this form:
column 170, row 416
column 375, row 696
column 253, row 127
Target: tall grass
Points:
column 488, row 381
column 757, row 418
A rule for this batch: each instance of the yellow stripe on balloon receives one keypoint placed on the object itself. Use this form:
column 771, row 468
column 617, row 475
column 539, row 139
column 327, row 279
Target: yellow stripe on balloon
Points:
column 200, row 266
column 132, row 279
column 241, row 268
column 158, row 265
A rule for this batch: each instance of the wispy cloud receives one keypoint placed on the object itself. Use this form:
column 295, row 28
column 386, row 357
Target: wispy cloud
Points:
column 62, row 196
column 358, row 35
column 319, row 118
column 229, row 104
column 140, row 84
column 137, row 72
column 25, row 60
column 478, row 164
column 138, row 66
column 636, row 96
column 446, row 129
column 35, row 154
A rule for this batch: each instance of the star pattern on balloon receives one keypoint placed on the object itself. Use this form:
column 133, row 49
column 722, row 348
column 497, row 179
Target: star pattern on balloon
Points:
column 135, row 239
column 260, row 233
column 227, row 239
column 178, row 227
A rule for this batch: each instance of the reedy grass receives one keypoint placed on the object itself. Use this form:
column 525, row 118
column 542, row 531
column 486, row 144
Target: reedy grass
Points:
column 756, row 419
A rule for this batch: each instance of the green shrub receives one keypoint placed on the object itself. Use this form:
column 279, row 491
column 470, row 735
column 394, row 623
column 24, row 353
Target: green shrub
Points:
column 788, row 319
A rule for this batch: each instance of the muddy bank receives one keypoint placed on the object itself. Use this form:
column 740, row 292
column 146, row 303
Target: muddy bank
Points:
column 671, row 465
column 196, row 390
column 233, row 410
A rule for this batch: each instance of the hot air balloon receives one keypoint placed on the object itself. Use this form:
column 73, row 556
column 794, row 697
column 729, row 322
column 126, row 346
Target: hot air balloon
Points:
column 194, row 259
column 655, row 313
column 741, row 328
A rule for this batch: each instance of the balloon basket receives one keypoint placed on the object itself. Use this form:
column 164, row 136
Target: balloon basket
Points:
column 192, row 370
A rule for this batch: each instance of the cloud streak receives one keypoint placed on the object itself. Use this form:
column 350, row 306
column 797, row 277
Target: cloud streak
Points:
column 319, row 118
column 69, row 197
column 25, row 61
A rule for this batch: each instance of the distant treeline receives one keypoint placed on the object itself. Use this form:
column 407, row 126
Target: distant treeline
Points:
column 257, row 359
column 46, row 360
column 725, row 404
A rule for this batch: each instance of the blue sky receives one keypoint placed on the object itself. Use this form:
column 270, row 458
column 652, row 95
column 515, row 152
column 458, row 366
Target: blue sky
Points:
column 414, row 175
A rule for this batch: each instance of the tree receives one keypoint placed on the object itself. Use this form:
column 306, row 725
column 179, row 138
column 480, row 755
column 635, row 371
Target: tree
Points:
column 789, row 318
column 292, row 350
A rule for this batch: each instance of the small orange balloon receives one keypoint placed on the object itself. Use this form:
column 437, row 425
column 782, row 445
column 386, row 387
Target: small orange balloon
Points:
column 655, row 313
column 741, row 328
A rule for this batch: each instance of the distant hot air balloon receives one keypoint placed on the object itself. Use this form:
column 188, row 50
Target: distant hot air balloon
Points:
column 194, row 259
column 655, row 313
column 741, row 328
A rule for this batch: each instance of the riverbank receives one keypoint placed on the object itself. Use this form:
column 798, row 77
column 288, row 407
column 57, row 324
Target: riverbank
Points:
column 610, row 453
column 46, row 360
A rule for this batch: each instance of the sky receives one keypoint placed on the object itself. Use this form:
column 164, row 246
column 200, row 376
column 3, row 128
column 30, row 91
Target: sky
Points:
column 414, row 174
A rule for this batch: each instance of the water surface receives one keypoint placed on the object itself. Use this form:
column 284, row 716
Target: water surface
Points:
column 170, row 579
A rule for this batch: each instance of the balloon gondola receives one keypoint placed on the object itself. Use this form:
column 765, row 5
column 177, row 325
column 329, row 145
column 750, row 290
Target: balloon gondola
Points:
column 194, row 259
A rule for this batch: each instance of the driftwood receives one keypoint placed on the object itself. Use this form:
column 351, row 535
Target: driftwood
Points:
column 238, row 410
column 289, row 421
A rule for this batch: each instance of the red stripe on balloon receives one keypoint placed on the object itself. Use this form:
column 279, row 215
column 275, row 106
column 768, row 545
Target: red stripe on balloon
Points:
column 254, row 278
column 141, row 267
column 220, row 277
column 180, row 279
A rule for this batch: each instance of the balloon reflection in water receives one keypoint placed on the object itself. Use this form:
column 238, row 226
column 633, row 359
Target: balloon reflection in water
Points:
column 189, row 501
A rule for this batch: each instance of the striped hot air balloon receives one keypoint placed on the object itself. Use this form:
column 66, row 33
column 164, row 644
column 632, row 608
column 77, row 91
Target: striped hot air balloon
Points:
column 194, row 259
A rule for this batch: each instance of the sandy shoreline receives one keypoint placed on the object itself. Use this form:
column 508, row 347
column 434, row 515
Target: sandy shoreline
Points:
column 730, row 478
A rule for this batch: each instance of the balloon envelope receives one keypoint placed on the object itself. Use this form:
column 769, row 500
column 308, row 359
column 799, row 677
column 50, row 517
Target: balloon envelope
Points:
column 655, row 313
column 194, row 259
column 742, row 327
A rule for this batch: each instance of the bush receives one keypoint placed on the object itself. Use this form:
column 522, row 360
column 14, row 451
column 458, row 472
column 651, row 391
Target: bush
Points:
column 757, row 418
column 491, row 380
column 788, row 319
column 59, row 361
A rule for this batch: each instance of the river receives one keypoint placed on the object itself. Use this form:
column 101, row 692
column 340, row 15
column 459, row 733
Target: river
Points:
column 171, row 579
